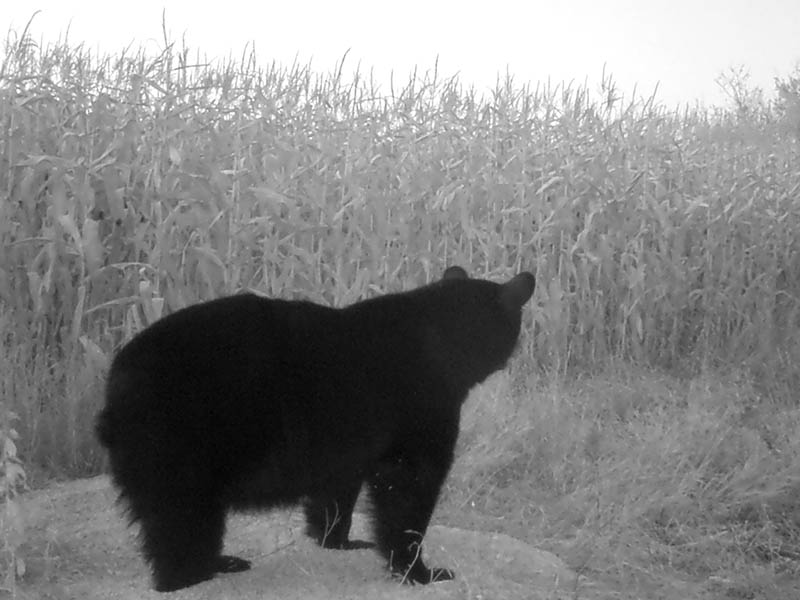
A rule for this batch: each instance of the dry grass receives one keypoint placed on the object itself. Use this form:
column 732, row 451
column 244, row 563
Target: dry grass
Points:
column 638, row 477
column 133, row 184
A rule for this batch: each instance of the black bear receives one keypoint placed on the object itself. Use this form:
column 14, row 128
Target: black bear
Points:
column 251, row 403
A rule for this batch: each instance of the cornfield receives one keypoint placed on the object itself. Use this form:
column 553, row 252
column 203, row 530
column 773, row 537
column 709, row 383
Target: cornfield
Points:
column 133, row 185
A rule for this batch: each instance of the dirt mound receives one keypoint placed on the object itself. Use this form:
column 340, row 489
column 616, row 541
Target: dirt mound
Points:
column 79, row 547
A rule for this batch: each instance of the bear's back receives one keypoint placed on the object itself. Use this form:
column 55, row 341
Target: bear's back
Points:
column 242, row 363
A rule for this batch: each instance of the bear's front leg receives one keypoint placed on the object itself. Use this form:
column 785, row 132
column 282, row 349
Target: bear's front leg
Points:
column 404, row 488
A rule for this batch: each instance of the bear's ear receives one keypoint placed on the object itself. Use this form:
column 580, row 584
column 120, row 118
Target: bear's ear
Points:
column 455, row 273
column 516, row 292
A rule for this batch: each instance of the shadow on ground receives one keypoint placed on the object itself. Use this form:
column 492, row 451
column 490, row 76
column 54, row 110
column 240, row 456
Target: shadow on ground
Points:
column 80, row 548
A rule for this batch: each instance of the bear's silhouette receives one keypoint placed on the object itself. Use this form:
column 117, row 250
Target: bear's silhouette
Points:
column 251, row 403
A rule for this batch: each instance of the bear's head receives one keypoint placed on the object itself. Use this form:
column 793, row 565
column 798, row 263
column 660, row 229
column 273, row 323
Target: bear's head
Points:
column 473, row 324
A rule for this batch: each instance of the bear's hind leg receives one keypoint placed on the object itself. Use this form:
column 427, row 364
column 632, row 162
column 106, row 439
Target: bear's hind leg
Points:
column 230, row 564
column 182, row 541
column 404, row 489
column 329, row 517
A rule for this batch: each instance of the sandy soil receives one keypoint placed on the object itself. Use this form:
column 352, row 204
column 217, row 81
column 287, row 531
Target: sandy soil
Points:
column 80, row 548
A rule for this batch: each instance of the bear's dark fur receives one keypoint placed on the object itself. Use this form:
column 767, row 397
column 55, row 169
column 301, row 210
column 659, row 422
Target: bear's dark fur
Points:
column 251, row 403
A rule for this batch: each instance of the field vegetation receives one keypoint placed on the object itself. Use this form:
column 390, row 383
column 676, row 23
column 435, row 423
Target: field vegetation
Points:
column 649, row 428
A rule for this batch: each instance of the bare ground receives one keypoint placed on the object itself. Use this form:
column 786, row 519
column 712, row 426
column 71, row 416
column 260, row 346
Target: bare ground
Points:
column 80, row 548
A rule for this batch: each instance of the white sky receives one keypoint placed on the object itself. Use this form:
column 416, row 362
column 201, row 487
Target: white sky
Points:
column 684, row 44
